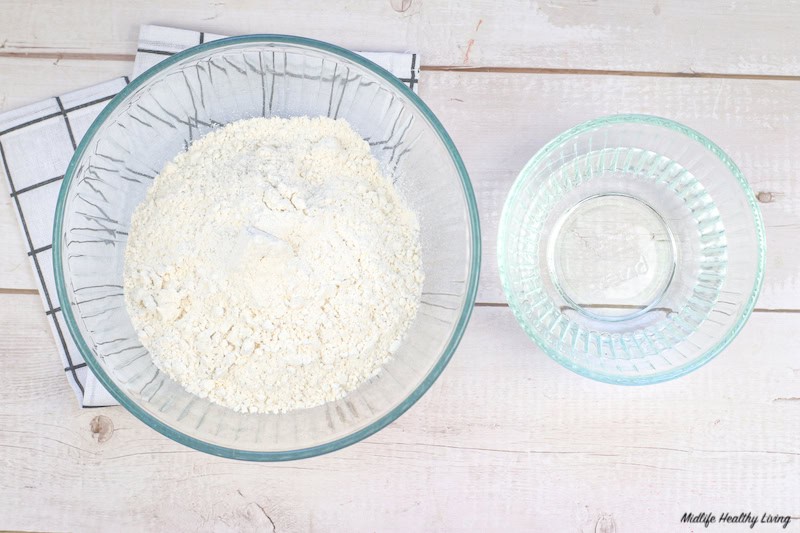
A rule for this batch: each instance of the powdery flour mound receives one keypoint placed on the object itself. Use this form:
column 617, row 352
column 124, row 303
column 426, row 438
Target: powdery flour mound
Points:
column 272, row 266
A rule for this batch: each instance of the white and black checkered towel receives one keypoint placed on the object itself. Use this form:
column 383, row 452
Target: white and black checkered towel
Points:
column 36, row 144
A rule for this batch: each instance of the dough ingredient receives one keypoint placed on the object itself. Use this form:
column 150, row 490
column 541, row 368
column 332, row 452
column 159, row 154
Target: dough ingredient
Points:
column 272, row 266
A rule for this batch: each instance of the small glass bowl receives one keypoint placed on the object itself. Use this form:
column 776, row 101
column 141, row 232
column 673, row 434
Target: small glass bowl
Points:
column 631, row 249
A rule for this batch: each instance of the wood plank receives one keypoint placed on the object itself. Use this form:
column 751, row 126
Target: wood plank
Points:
column 23, row 81
column 753, row 120
column 27, row 80
column 716, row 36
column 505, row 440
column 500, row 120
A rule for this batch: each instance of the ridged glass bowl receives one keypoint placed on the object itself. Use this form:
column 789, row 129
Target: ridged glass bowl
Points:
column 179, row 100
column 631, row 249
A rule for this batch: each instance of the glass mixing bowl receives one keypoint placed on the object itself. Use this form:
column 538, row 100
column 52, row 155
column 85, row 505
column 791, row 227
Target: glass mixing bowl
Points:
column 631, row 249
column 184, row 97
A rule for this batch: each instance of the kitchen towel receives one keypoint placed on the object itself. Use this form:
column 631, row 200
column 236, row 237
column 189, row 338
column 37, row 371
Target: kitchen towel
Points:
column 36, row 144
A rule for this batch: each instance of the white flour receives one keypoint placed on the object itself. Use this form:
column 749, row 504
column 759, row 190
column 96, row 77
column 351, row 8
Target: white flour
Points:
column 272, row 266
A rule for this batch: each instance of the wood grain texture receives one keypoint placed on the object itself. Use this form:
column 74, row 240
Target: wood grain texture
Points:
column 499, row 120
column 505, row 440
column 717, row 36
column 24, row 81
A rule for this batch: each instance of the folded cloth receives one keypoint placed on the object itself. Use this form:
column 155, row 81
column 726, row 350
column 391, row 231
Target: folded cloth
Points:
column 36, row 144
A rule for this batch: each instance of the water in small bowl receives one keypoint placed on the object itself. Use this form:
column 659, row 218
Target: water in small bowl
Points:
column 615, row 250
column 631, row 249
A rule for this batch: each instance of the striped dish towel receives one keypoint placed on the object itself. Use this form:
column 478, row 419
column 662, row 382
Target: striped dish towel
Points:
column 36, row 144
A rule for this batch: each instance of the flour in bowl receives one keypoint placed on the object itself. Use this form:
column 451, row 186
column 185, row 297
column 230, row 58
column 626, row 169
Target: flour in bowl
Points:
column 272, row 266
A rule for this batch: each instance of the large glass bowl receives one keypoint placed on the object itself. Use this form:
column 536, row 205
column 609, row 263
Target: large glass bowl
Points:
column 631, row 249
column 184, row 97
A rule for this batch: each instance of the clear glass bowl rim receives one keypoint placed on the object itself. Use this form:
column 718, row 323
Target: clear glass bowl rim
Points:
column 709, row 145
column 223, row 451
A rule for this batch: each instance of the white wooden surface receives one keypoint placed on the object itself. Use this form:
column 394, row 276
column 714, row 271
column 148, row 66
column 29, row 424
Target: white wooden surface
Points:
column 506, row 439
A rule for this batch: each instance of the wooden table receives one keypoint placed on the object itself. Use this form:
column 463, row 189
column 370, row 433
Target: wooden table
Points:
column 506, row 439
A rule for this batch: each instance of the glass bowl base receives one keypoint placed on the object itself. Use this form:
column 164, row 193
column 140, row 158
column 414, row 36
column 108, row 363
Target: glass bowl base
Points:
column 612, row 256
